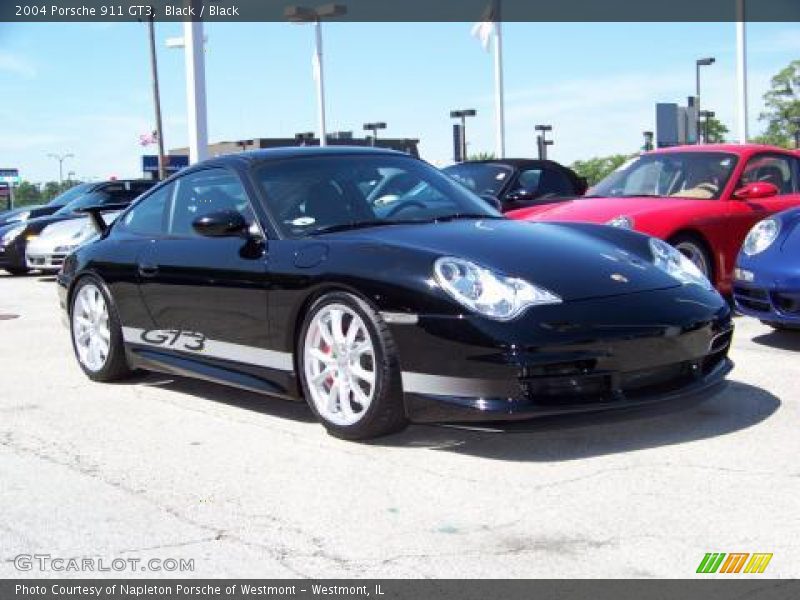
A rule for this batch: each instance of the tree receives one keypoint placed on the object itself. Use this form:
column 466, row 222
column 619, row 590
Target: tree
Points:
column 782, row 104
column 26, row 194
column 597, row 168
column 481, row 156
column 715, row 131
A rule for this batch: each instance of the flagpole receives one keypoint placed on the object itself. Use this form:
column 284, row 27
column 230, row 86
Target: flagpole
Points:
column 323, row 135
column 500, row 124
column 741, row 72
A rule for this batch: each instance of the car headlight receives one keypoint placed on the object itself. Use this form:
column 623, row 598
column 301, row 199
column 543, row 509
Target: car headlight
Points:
column 488, row 292
column 12, row 234
column 673, row 262
column 761, row 236
column 621, row 221
column 23, row 216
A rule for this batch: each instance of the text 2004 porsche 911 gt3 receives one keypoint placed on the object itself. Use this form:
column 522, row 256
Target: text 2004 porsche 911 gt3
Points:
column 303, row 273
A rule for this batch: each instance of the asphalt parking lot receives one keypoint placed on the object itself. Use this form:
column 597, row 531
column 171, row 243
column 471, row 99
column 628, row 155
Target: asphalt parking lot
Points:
column 249, row 486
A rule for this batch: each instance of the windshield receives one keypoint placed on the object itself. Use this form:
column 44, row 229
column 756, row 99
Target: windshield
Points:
column 317, row 194
column 83, row 201
column 700, row 175
column 68, row 196
column 481, row 178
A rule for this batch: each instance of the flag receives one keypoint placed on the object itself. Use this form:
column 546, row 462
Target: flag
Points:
column 484, row 29
column 148, row 138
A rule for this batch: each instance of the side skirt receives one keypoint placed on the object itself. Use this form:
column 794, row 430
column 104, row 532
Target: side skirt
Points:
column 262, row 380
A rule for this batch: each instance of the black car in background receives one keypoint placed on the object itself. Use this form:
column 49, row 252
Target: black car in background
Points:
column 14, row 237
column 382, row 291
column 519, row 182
column 34, row 211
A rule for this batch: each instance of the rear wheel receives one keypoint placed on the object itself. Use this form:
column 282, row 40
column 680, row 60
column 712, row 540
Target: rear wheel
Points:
column 349, row 369
column 96, row 333
column 695, row 250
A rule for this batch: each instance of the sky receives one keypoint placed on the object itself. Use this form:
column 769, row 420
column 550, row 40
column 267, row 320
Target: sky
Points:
column 85, row 88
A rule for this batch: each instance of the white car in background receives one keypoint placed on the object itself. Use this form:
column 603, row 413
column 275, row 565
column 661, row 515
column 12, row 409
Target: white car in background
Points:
column 48, row 251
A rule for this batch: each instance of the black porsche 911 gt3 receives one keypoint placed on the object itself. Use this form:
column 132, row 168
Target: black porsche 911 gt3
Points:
column 383, row 292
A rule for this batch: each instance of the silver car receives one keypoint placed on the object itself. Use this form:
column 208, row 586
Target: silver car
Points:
column 48, row 251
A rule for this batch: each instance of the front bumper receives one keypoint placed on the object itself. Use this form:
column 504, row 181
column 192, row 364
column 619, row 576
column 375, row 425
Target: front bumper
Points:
column 576, row 357
column 769, row 295
column 44, row 261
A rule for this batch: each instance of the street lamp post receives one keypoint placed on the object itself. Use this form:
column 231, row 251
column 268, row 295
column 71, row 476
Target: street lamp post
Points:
column 648, row 141
column 541, row 140
column 61, row 158
column 707, row 115
column 301, row 14
column 162, row 167
column 463, row 114
column 700, row 62
column 374, row 127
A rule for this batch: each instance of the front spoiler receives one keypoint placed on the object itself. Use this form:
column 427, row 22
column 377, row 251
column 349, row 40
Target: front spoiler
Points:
column 433, row 408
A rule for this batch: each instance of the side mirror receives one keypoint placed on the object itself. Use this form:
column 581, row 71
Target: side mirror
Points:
column 223, row 223
column 493, row 201
column 521, row 196
column 755, row 190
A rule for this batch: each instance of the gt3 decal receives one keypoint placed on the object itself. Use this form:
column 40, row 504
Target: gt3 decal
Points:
column 193, row 342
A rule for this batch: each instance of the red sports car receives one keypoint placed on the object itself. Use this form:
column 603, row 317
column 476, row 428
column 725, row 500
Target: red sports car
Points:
column 702, row 199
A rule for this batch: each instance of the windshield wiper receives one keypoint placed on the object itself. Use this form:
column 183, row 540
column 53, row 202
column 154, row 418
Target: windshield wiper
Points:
column 361, row 225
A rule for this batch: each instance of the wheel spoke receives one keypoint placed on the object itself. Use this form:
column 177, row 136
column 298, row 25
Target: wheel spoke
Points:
column 325, row 333
column 352, row 332
column 344, row 400
column 364, row 375
column 321, row 356
column 322, row 375
column 361, row 397
column 333, row 397
column 336, row 326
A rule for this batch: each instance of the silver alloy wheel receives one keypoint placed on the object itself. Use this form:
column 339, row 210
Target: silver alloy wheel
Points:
column 339, row 365
column 90, row 328
column 695, row 254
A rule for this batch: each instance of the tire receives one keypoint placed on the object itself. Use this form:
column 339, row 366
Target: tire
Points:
column 329, row 360
column 695, row 250
column 17, row 271
column 109, row 364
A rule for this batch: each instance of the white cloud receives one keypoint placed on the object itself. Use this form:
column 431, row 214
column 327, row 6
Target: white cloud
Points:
column 16, row 65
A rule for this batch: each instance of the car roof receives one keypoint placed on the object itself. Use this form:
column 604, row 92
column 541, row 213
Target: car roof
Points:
column 512, row 162
column 285, row 152
column 738, row 149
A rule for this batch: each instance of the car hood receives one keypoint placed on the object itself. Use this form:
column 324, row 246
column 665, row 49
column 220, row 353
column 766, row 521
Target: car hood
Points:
column 6, row 215
column 575, row 262
column 602, row 210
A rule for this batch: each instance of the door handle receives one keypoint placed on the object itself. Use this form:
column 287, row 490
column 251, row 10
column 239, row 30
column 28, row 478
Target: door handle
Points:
column 147, row 270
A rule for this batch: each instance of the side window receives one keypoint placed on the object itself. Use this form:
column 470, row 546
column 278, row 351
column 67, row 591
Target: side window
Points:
column 148, row 216
column 529, row 181
column 771, row 168
column 204, row 192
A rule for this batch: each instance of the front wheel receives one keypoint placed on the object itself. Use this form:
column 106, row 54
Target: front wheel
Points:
column 349, row 369
column 96, row 333
column 17, row 271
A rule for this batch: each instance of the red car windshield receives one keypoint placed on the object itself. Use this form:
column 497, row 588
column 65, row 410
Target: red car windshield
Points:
column 698, row 175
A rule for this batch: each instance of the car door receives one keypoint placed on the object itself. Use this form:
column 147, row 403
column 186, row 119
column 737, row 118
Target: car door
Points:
column 773, row 167
column 207, row 295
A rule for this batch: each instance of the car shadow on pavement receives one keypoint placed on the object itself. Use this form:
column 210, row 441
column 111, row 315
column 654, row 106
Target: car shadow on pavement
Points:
column 571, row 437
column 207, row 390
column 782, row 340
